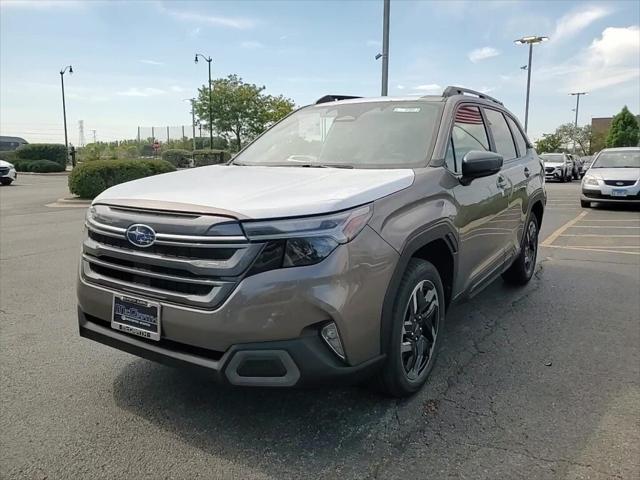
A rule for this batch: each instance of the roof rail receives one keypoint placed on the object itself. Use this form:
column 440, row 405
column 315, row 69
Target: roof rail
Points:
column 334, row 98
column 451, row 91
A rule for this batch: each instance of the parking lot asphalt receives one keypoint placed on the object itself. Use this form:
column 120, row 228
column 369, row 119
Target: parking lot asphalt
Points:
column 539, row 382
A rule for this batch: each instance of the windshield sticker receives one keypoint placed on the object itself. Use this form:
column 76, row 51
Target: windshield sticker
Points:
column 406, row 109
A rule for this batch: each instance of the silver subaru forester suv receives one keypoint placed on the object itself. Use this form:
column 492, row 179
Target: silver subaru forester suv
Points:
column 327, row 251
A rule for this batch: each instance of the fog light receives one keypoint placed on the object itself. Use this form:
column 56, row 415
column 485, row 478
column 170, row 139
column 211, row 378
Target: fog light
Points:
column 332, row 337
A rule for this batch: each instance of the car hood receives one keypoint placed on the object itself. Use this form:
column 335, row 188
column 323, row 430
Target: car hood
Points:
column 258, row 192
column 553, row 164
column 615, row 173
column 5, row 164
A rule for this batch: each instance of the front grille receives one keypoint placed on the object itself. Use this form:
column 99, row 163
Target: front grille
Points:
column 165, row 250
column 549, row 169
column 157, row 283
column 619, row 183
column 188, row 268
column 4, row 171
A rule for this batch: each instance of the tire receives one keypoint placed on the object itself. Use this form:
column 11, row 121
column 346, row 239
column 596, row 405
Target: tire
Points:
column 406, row 370
column 569, row 177
column 521, row 270
column 563, row 178
column 6, row 181
column 585, row 204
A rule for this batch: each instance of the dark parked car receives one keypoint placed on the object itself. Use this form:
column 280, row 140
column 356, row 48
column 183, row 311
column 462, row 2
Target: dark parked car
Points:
column 328, row 250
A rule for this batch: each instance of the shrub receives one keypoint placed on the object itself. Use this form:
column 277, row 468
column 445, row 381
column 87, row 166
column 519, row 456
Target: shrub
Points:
column 91, row 178
column 38, row 166
column 210, row 157
column 178, row 158
column 54, row 152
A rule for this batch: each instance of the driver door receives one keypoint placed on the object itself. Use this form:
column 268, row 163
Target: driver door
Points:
column 482, row 204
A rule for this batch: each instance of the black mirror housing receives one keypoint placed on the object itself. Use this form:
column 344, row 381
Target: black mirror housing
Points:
column 476, row 164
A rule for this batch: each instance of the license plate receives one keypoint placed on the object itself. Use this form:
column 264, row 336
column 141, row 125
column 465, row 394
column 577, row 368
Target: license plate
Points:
column 136, row 316
column 618, row 192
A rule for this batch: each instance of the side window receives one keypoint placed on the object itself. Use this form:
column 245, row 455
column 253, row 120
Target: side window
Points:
column 468, row 134
column 501, row 134
column 517, row 134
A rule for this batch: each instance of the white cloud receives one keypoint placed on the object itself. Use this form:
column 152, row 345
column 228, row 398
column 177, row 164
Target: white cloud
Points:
column 151, row 62
column 576, row 21
column 483, row 53
column 431, row 87
column 612, row 59
column 250, row 44
column 374, row 43
column 400, row 87
column 240, row 23
column 176, row 88
column 41, row 4
column 141, row 92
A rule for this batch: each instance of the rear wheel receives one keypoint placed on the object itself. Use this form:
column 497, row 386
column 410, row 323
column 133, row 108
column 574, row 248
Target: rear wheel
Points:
column 521, row 270
column 585, row 204
column 418, row 318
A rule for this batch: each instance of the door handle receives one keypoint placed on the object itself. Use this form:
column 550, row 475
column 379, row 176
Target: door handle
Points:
column 526, row 172
column 501, row 182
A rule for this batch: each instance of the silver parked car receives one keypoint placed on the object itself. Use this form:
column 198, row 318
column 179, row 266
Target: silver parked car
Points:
column 614, row 177
column 557, row 166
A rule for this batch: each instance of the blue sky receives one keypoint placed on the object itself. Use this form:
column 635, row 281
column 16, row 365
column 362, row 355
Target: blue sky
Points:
column 133, row 61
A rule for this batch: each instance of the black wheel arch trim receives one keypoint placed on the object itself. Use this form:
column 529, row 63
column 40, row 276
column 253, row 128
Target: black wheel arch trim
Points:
column 443, row 230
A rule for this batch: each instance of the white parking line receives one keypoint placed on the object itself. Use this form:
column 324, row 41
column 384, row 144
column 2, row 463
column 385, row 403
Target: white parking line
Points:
column 550, row 239
column 591, row 249
column 596, row 235
column 601, row 226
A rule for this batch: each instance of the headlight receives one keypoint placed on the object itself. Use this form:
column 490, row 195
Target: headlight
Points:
column 589, row 180
column 304, row 241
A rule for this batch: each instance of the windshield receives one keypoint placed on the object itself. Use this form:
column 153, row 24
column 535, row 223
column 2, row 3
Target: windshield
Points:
column 552, row 157
column 618, row 159
column 358, row 135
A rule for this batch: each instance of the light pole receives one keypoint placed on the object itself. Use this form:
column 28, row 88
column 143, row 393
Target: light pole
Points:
column 193, row 119
column 208, row 60
column 575, row 122
column 385, row 47
column 531, row 40
column 64, row 108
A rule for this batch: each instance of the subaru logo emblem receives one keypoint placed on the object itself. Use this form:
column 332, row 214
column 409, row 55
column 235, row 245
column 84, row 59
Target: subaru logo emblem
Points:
column 141, row 235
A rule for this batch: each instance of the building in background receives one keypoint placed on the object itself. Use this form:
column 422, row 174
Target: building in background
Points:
column 11, row 143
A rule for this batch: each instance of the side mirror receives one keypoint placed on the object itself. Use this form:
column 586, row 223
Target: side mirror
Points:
column 476, row 164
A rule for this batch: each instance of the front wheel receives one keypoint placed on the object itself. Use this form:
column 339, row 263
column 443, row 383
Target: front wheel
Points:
column 521, row 270
column 6, row 181
column 418, row 318
column 585, row 204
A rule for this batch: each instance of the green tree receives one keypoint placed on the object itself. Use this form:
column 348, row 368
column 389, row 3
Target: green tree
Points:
column 550, row 142
column 581, row 136
column 240, row 110
column 624, row 130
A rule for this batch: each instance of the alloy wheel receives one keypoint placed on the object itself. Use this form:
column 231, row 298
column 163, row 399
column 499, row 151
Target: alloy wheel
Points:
column 420, row 329
column 530, row 247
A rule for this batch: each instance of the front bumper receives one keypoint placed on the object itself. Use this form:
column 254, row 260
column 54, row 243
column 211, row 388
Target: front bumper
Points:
column 555, row 174
column 605, row 193
column 284, row 305
column 296, row 362
column 12, row 174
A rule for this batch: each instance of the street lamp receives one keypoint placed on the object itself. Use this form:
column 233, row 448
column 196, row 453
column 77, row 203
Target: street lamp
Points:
column 575, row 122
column 208, row 60
column 193, row 119
column 385, row 47
column 530, row 40
column 68, row 68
